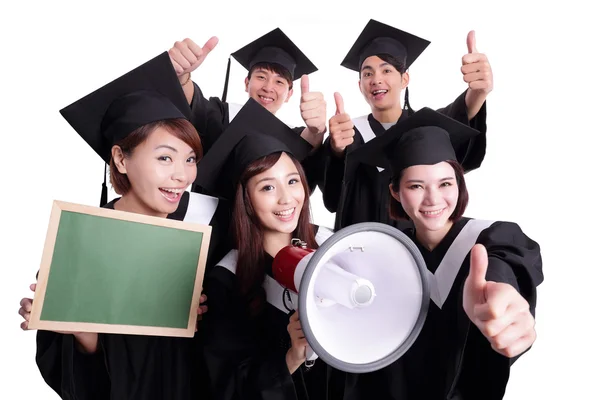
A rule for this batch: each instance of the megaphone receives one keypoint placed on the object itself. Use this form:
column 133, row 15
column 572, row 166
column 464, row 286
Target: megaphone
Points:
column 362, row 296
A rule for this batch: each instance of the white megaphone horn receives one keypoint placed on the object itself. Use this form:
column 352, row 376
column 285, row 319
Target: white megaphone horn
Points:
column 362, row 296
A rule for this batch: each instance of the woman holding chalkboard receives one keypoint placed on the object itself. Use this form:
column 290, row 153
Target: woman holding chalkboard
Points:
column 139, row 125
column 252, row 347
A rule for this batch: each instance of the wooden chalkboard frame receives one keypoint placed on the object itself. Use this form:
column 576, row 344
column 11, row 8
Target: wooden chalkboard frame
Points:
column 57, row 208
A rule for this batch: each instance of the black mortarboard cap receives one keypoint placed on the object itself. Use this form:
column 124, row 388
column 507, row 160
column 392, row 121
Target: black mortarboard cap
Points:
column 149, row 93
column 426, row 138
column 254, row 133
column 378, row 38
column 273, row 48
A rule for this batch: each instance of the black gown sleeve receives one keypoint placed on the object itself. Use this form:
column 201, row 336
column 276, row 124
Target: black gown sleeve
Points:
column 333, row 177
column 471, row 155
column 210, row 117
column 69, row 372
column 514, row 259
column 334, row 168
column 240, row 365
column 312, row 165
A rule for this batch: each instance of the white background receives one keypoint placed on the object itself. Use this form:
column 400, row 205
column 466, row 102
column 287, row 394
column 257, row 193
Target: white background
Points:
column 540, row 169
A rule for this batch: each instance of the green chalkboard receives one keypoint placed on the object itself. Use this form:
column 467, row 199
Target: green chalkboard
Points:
column 111, row 271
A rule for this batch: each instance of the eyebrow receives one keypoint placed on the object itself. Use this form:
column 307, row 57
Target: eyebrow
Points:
column 270, row 178
column 264, row 71
column 448, row 178
column 166, row 146
column 371, row 68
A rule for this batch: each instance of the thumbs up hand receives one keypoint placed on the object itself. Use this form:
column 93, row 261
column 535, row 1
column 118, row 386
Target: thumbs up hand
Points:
column 341, row 127
column 497, row 309
column 186, row 55
column 313, row 108
column 476, row 68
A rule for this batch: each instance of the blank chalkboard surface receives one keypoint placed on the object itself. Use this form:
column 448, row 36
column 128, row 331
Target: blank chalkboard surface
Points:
column 116, row 272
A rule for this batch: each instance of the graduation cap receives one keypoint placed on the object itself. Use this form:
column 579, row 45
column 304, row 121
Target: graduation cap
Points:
column 273, row 48
column 149, row 93
column 426, row 138
column 378, row 38
column 254, row 133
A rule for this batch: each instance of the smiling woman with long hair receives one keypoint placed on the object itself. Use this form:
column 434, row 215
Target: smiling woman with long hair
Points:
column 254, row 349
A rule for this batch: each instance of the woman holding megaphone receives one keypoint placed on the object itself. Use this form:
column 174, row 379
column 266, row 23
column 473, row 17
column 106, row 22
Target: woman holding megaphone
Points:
column 253, row 348
column 483, row 274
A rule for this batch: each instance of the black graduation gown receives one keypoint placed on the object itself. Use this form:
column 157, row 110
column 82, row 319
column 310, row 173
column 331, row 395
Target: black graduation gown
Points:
column 245, row 356
column 360, row 193
column 127, row 367
column 211, row 117
column 451, row 359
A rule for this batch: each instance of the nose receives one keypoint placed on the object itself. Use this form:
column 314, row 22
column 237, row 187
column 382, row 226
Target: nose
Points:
column 269, row 85
column 432, row 196
column 285, row 195
column 376, row 78
column 179, row 172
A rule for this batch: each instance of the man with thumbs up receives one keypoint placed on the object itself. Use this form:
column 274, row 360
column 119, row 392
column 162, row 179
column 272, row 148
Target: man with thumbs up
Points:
column 382, row 55
column 273, row 62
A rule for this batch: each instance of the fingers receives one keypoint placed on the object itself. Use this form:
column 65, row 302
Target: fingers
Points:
column 180, row 63
column 513, row 333
column 26, row 303
column 519, row 346
column 478, row 58
column 32, row 287
column 311, row 100
column 26, row 315
column 304, row 84
column 339, row 103
column 471, row 45
column 310, row 114
column 25, row 325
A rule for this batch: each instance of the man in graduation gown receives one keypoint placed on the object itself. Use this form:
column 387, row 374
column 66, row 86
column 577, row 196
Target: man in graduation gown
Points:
column 358, row 193
column 273, row 62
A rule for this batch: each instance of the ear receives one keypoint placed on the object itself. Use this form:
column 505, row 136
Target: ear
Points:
column 405, row 79
column 246, row 82
column 290, row 93
column 394, row 194
column 119, row 159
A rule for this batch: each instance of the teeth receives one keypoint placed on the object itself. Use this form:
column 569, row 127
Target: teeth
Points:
column 172, row 190
column 285, row 213
column 266, row 98
column 432, row 212
column 379, row 91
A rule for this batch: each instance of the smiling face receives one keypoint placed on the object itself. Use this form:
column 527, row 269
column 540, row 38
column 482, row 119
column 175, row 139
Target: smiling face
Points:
column 158, row 169
column 277, row 196
column 381, row 83
column 269, row 88
column 429, row 195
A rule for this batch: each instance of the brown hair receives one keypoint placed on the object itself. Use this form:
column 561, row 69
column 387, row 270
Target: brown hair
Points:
column 248, row 233
column 397, row 211
column 180, row 128
column 274, row 68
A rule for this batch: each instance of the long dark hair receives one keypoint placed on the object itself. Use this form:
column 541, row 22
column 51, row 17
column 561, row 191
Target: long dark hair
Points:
column 248, row 233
